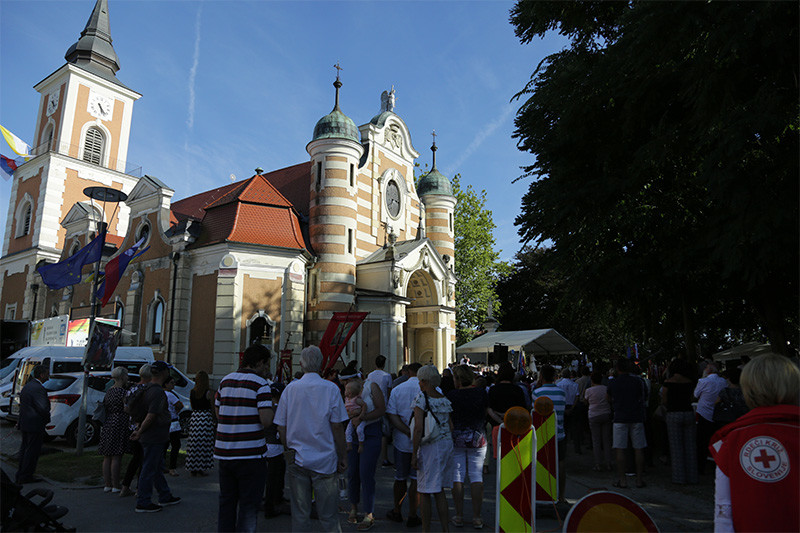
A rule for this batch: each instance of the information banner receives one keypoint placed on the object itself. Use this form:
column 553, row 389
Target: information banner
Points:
column 78, row 330
column 50, row 331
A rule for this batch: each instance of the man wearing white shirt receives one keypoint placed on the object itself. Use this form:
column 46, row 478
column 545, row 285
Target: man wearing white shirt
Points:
column 707, row 391
column 309, row 420
column 400, row 410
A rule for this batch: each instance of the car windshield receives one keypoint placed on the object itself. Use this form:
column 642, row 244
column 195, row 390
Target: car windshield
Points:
column 100, row 383
column 57, row 383
column 66, row 367
column 8, row 366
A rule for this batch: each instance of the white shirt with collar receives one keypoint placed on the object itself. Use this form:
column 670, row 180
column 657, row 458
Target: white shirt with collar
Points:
column 307, row 408
column 570, row 389
column 401, row 403
column 707, row 391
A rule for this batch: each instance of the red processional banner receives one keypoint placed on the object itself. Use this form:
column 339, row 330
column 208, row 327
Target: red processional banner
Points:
column 340, row 329
column 283, row 372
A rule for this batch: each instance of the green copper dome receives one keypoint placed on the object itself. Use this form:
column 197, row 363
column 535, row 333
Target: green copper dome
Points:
column 434, row 182
column 336, row 125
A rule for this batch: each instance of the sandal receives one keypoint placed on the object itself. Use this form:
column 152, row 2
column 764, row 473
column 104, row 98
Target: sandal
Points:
column 477, row 523
column 619, row 485
column 352, row 518
column 457, row 521
column 366, row 524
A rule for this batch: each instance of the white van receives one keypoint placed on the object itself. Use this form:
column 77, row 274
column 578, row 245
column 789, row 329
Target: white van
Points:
column 67, row 359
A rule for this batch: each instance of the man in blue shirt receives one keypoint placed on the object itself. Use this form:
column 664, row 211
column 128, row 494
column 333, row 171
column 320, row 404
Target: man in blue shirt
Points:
column 557, row 395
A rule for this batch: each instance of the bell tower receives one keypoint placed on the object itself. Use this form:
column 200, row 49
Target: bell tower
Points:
column 81, row 139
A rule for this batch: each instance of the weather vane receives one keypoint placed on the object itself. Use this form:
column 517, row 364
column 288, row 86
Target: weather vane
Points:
column 433, row 133
column 338, row 68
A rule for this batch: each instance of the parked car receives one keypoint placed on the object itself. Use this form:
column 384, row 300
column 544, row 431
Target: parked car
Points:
column 64, row 392
column 5, row 398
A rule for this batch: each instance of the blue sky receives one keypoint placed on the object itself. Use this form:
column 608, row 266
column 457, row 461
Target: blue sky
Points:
column 229, row 86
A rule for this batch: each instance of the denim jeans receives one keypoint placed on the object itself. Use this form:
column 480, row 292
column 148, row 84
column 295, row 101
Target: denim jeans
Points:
column 152, row 474
column 241, row 486
column 361, row 467
column 301, row 483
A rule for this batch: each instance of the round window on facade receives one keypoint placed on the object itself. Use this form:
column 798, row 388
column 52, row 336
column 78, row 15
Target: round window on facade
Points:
column 393, row 198
column 143, row 233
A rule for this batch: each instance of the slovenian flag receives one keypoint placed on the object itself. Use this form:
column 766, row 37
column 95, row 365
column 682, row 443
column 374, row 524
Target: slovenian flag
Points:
column 115, row 268
column 19, row 146
column 7, row 167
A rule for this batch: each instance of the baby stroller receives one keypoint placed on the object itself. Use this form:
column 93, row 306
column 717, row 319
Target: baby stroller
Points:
column 30, row 512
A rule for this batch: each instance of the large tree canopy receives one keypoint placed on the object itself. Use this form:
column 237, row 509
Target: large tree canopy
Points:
column 477, row 262
column 666, row 157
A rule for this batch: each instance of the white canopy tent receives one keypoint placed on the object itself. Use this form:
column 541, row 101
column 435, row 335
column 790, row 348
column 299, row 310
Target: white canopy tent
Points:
column 531, row 342
column 749, row 349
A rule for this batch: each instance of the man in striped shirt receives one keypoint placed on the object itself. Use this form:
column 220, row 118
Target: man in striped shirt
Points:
column 244, row 410
column 557, row 395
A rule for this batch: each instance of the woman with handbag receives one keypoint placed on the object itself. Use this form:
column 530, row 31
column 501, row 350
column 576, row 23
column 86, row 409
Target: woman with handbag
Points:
column 361, row 465
column 432, row 454
column 115, row 432
column 469, row 442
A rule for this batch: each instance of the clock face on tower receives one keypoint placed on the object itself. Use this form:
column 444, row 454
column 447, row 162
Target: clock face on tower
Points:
column 100, row 106
column 52, row 103
column 393, row 198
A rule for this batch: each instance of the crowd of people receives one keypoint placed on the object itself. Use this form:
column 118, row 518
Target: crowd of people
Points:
column 324, row 435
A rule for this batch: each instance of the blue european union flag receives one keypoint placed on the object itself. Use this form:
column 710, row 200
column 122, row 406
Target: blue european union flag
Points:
column 68, row 272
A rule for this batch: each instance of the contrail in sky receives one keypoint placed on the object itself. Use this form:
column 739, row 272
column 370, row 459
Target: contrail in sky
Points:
column 193, row 70
column 481, row 136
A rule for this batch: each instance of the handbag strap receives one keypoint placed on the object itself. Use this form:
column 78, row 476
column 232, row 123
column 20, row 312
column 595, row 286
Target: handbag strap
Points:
column 428, row 407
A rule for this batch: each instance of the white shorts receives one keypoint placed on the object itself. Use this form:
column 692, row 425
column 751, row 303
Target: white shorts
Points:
column 468, row 464
column 636, row 431
column 435, row 466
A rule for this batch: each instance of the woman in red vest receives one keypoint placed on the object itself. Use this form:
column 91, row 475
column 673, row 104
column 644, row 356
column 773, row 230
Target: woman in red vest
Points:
column 757, row 486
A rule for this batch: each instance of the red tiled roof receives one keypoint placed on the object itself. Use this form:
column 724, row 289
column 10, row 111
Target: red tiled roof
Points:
column 260, row 210
column 255, row 190
column 253, row 224
column 116, row 240
column 294, row 183
column 194, row 206
column 266, row 225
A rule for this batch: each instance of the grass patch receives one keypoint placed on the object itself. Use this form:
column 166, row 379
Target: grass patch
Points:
column 66, row 467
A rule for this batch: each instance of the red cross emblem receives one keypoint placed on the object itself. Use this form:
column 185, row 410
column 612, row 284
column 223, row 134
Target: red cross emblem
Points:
column 765, row 459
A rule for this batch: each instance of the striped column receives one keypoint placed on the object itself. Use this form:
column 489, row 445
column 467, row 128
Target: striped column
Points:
column 332, row 229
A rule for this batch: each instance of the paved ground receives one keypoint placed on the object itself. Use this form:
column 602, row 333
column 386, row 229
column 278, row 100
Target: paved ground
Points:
column 674, row 508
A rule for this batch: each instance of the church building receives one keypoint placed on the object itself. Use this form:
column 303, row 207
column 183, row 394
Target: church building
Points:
column 266, row 260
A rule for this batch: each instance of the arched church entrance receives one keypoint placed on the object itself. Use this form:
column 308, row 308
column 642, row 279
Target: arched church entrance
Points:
column 421, row 329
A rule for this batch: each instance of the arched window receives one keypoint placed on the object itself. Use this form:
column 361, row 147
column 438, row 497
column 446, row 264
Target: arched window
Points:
column 93, row 146
column 24, row 217
column 47, row 145
column 156, row 321
column 261, row 332
column 120, row 314
column 75, row 248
